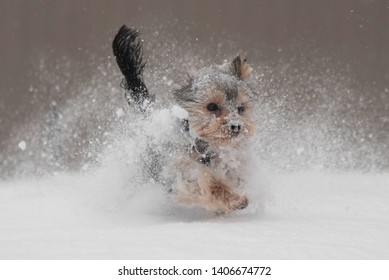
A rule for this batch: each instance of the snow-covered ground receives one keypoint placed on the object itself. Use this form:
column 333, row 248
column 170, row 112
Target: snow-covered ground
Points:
column 308, row 215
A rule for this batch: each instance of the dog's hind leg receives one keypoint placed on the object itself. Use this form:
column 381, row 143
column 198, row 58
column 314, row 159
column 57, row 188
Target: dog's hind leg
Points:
column 127, row 48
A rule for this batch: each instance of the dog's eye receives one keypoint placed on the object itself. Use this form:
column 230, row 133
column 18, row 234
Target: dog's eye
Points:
column 240, row 109
column 212, row 107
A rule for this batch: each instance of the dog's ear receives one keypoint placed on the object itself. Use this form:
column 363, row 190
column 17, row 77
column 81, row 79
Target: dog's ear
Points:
column 183, row 93
column 240, row 68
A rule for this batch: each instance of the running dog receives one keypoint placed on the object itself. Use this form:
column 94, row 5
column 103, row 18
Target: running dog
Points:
column 210, row 172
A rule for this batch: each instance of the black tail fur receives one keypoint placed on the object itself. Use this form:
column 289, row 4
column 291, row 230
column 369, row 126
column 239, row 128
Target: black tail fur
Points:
column 127, row 48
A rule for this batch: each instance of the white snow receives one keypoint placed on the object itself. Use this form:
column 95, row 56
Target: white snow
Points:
column 179, row 112
column 310, row 215
column 22, row 145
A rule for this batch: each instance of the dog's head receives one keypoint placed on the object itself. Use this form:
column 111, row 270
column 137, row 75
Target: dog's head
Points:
column 219, row 104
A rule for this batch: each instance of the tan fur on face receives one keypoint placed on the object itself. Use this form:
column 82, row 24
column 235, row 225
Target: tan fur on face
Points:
column 213, row 127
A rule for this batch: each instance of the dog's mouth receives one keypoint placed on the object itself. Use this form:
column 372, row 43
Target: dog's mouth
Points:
column 234, row 133
column 228, row 134
column 227, row 140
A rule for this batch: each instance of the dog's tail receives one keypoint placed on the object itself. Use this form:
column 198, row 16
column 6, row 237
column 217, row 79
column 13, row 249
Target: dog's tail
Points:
column 127, row 48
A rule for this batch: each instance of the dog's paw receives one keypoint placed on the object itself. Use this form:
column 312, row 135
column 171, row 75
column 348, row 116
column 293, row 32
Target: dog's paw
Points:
column 243, row 203
column 239, row 203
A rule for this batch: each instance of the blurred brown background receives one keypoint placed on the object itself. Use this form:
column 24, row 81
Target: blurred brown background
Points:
column 353, row 32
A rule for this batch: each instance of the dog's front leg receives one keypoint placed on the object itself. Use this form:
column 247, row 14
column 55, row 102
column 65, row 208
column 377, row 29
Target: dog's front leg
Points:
column 218, row 194
column 198, row 185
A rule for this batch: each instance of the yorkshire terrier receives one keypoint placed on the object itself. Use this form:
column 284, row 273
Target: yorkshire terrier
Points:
column 210, row 171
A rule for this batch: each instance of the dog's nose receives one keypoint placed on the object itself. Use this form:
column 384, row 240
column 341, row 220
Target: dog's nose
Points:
column 235, row 127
